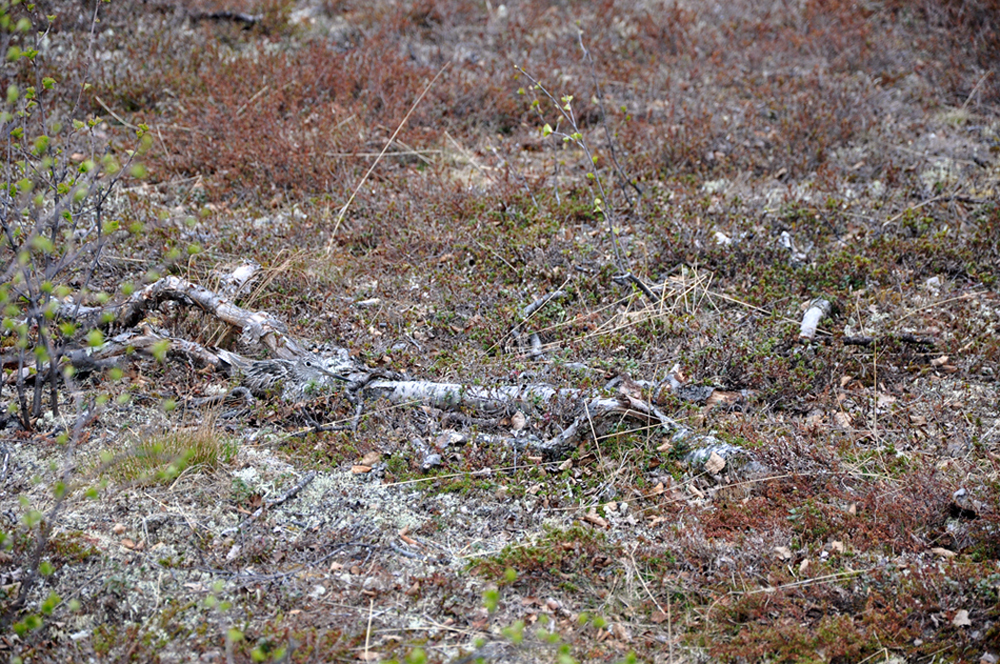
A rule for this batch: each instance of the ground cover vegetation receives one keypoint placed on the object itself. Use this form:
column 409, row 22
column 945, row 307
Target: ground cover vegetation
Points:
column 410, row 176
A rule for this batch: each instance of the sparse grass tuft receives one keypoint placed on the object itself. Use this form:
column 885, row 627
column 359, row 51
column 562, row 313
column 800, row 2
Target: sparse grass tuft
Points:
column 164, row 457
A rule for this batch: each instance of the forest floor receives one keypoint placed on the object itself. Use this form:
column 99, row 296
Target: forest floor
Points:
column 750, row 161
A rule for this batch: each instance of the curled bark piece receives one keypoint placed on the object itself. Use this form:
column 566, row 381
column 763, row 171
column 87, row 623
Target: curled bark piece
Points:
column 237, row 280
column 536, row 351
column 428, row 457
column 817, row 311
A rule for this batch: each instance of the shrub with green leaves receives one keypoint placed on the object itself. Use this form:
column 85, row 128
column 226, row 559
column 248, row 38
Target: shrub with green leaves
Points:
column 57, row 175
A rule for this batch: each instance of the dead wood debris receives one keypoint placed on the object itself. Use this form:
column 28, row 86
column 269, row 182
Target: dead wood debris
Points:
column 905, row 338
column 247, row 20
column 590, row 414
column 817, row 311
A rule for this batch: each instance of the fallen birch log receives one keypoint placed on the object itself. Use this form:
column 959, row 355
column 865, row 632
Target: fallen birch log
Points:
column 596, row 414
column 591, row 414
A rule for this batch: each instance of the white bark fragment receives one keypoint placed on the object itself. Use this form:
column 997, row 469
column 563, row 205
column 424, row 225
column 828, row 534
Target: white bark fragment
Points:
column 817, row 311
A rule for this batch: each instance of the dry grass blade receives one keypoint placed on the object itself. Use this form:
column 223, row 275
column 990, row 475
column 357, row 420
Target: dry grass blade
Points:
column 361, row 183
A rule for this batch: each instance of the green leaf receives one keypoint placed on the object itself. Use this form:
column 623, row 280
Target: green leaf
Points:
column 95, row 338
column 48, row 83
column 42, row 244
column 50, row 603
column 160, row 349
column 491, row 599
column 110, row 165
column 67, row 328
column 514, row 633
column 546, row 130
column 416, row 656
